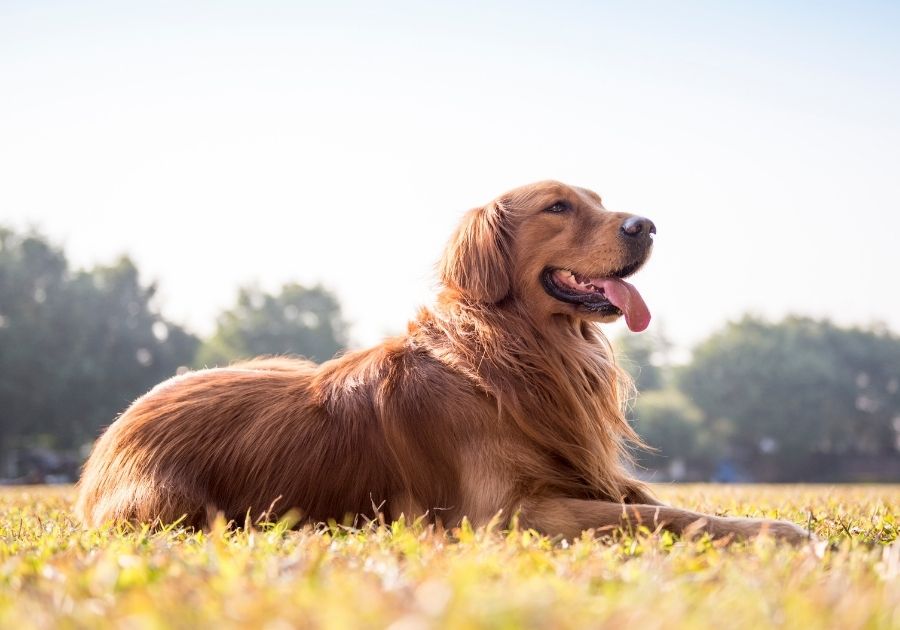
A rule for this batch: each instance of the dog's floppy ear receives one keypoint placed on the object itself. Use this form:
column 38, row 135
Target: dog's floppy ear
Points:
column 476, row 261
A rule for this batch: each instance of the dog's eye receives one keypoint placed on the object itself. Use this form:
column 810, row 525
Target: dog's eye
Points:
column 558, row 207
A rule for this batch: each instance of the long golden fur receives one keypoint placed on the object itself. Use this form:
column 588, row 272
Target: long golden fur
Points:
column 501, row 398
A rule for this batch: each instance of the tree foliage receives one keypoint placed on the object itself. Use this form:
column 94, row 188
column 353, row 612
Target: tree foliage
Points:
column 75, row 346
column 643, row 357
column 798, row 389
column 298, row 320
column 675, row 431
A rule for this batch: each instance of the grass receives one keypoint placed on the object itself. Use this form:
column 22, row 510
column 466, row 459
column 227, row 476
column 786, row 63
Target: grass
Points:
column 54, row 574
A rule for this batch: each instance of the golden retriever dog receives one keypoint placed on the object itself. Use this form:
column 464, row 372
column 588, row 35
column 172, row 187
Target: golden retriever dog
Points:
column 502, row 398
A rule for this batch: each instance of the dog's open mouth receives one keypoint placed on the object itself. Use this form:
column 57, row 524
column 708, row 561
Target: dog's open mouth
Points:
column 603, row 296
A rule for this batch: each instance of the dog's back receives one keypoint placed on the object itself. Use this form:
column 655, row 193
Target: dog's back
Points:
column 235, row 440
column 367, row 433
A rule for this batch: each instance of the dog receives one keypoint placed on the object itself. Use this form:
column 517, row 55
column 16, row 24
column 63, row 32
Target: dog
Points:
column 502, row 398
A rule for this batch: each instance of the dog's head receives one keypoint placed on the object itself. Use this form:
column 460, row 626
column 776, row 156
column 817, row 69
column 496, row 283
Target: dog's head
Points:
column 555, row 248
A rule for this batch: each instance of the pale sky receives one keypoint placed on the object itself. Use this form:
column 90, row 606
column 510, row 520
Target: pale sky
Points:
column 221, row 143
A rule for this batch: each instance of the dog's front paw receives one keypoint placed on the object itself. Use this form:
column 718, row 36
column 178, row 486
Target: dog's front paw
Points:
column 786, row 531
column 780, row 530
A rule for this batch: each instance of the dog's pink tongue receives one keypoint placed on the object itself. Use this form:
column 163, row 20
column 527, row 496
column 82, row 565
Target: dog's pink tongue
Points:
column 628, row 300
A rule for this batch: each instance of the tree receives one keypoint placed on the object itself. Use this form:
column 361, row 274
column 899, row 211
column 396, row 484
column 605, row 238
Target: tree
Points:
column 644, row 357
column 675, row 430
column 75, row 346
column 298, row 320
column 798, row 389
column 679, row 442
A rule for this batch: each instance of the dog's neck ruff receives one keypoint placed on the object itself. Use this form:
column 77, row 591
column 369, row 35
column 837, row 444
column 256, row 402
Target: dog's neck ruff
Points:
column 556, row 384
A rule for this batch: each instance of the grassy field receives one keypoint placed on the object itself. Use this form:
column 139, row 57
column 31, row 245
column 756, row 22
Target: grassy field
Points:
column 54, row 574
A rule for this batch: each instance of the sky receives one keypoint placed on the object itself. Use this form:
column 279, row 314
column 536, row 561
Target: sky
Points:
column 225, row 143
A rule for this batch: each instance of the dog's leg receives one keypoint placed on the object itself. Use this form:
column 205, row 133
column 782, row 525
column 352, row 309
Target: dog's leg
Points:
column 570, row 517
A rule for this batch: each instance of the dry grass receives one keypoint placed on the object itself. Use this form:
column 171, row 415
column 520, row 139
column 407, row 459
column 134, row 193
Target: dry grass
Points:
column 53, row 574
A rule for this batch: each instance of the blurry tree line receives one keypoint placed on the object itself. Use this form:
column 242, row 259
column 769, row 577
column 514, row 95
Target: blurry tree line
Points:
column 796, row 400
column 758, row 401
column 78, row 345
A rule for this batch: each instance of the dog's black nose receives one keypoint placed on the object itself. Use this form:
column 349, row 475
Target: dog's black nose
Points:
column 636, row 226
